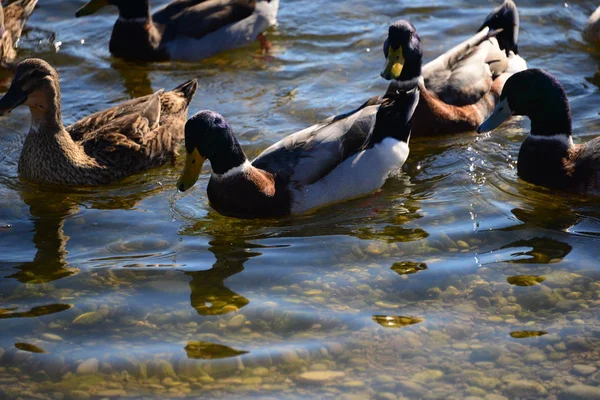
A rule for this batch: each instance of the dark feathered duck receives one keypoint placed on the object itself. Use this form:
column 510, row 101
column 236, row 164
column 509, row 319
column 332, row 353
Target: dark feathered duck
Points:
column 459, row 89
column 184, row 29
column 548, row 156
column 12, row 20
column 106, row 146
column 342, row 158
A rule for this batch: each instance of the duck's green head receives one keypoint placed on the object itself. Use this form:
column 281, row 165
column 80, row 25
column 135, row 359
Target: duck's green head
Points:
column 208, row 136
column 537, row 94
column 128, row 9
column 403, row 54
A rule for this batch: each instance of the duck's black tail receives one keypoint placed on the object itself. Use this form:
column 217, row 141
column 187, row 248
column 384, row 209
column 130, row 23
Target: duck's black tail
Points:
column 506, row 18
column 188, row 89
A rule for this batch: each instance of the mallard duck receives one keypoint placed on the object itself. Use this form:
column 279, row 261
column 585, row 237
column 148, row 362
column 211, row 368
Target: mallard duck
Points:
column 339, row 159
column 12, row 19
column 591, row 32
column 102, row 148
column 548, row 156
column 188, row 30
column 459, row 89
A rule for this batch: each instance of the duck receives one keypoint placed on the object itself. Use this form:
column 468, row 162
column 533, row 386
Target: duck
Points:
column 591, row 32
column 12, row 20
column 548, row 156
column 99, row 149
column 336, row 160
column 460, row 88
column 185, row 30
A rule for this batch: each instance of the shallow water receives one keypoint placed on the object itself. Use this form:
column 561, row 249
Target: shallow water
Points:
column 456, row 280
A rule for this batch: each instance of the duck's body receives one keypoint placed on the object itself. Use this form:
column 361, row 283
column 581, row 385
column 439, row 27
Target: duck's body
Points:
column 12, row 20
column 337, row 160
column 187, row 30
column 548, row 156
column 460, row 88
column 591, row 32
column 102, row 148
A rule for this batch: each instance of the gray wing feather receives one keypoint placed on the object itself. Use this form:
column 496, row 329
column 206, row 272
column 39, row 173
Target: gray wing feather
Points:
column 308, row 155
column 464, row 74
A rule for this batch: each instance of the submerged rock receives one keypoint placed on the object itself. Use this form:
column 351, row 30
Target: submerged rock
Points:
column 525, row 388
column 581, row 392
column 89, row 366
column 321, row 377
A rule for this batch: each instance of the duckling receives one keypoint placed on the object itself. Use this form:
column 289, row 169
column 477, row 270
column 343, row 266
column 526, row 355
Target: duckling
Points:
column 187, row 30
column 12, row 20
column 459, row 89
column 548, row 156
column 340, row 159
column 102, row 148
column 591, row 32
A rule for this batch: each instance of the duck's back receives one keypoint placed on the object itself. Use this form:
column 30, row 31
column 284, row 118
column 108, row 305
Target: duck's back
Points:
column 138, row 134
column 586, row 168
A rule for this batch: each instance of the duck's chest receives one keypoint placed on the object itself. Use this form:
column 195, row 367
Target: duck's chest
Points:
column 245, row 196
column 545, row 162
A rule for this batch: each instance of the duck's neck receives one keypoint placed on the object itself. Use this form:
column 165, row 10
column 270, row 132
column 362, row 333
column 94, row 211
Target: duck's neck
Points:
column 49, row 153
column 45, row 107
column 227, row 156
column 135, row 11
column 411, row 70
column 551, row 118
column 136, row 36
column 394, row 117
column 543, row 159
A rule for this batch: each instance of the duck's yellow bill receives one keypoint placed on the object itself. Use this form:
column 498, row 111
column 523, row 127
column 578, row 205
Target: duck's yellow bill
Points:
column 393, row 64
column 191, row 171
column 91, row 7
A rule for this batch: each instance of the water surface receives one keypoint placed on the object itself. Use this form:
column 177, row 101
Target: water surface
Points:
column 455, row 280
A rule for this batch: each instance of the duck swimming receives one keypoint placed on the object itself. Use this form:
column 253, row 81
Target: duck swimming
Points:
column 12, row 20
column 106, row 146
column 459, row 89
column 340, row 159
column 187, row 30
column 548, row 156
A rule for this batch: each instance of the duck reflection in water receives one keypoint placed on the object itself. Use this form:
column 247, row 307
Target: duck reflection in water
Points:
column 209, row 294
column 48, row 214
column 537, row 250
column 543, row 250
column 49, row 210
column 136, row 78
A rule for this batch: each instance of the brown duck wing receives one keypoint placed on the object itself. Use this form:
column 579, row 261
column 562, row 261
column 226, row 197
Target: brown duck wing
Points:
column 15, row 16
column 148, row 106
column 197, row 18
column 129, row 144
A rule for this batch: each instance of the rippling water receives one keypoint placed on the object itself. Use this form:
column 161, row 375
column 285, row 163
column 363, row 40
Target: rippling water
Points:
column 456, row 280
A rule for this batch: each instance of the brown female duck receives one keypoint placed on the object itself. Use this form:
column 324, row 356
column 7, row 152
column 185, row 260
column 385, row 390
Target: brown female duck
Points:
column 12, row 20
column 548, row 156
column 104, row 147
column 459, row 89
column 187, row 30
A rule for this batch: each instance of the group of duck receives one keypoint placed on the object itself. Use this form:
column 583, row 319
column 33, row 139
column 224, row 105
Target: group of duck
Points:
column 476, row 85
